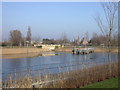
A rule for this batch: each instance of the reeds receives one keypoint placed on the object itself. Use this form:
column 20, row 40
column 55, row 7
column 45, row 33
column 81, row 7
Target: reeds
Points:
column 69, row 79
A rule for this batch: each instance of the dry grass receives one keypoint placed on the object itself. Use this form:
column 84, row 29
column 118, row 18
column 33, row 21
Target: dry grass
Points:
column 9, row 51
column 88, row 75
column 64, row 49
column 72, row 79
column 0, row 83
column 97, row 49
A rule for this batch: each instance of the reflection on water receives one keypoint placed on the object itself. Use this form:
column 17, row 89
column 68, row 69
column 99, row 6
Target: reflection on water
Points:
column 54, row 64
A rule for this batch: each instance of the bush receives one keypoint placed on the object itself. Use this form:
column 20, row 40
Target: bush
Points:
column 56, row 47
column 39, row 46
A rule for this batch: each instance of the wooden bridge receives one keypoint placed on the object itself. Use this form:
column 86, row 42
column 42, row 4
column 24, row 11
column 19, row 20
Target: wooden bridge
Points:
column 82, row 50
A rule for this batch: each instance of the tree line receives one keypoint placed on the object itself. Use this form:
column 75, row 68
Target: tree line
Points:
column 16, row 38
column 101, row 40
column 108, row 27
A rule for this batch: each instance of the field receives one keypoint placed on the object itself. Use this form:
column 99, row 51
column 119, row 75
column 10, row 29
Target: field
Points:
column 110, row 83
column 97, row 49
column 10, row 53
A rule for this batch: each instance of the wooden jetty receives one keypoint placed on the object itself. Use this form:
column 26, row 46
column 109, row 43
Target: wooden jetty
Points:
column 82, row 50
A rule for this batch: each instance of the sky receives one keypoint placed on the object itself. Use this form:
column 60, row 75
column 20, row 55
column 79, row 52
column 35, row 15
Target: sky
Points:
column 0, row 21
column 50, row 19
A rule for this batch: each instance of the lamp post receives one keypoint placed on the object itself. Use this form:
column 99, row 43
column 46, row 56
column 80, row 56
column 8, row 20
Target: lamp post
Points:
column 27, row 46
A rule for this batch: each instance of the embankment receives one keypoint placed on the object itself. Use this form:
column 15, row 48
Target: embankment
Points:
column 100, row 49
column 73, row 79
column 22, row 52
column 97, row 49
column 9, row 53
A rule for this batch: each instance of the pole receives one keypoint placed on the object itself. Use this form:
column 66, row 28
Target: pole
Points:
column 27, row 47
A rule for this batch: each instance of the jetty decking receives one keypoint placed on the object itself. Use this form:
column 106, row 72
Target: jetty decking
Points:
column 82, row 50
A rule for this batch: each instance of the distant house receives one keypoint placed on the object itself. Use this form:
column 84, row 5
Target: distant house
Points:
column 78, row 41
column 36, row 43
column 103, row 45
column 50, row 47
column 84, row 41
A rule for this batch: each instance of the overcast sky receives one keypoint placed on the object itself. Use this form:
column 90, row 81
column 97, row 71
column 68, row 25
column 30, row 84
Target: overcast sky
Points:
column 51, row 19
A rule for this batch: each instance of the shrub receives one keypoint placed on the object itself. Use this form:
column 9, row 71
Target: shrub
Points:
column 56, row 47
column 39, row 46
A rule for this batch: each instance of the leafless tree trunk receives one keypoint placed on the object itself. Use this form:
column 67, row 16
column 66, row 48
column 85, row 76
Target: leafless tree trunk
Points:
column 28, row 38
column 108, row 25
column 64, row 39
column 77, row 41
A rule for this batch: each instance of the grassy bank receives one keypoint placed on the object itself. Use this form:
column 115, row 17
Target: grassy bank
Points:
column 102, row 49
column 88, row 76
column 29, row 55
column 9, row 51
column 71, row 79
column 110, row 83
column 97, row 49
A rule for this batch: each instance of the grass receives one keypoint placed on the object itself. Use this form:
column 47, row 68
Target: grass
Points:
column 10, row 51
column 110, row 83
column 70, row 79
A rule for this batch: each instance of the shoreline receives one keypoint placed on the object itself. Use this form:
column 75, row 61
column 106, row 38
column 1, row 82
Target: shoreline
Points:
column 30, row 55
column 10, row 51
column 13, row 53
column 97, row 49
column 80, row 78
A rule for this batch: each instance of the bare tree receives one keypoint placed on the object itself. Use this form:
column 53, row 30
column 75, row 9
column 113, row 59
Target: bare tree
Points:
column 15, row 37
column 114, row 40
column 64, row 39
column 36, row 39
column 95, row 39
column 108, row 25
column 87, row 35
column 28, row 38
column 78, row 41
column 99, row 40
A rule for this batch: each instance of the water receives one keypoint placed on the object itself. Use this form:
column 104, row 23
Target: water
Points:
column 54, row 64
